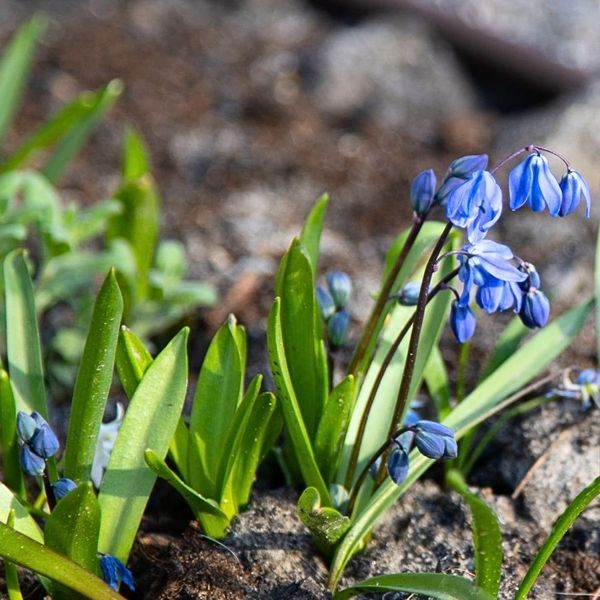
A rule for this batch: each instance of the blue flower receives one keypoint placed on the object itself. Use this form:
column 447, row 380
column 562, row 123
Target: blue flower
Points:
column 462, row 321
column 26, row 426
column 573, row 186
column 325, row 302
column 458, row 172
column 114, row 572
column 397, row 464
column 31, row 463
column 62, row 487
column 435, row 440
column 497, row 295
column 535, row 309
column 475, row 205
column 44, row 441
column 412, row 416
column 422, row 192
column 532, row 182
column 340, row 287
column 337, row 329
column 585, row 388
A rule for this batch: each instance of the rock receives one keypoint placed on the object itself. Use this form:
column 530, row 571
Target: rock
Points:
column 396, row 71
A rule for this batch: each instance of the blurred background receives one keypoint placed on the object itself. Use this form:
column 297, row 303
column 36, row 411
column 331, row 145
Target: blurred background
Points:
column 253, row 108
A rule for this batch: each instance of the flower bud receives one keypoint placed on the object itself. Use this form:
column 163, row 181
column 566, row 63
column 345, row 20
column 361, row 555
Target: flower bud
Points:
column 26, row 426
column 337, row 329
column 44, row 442
column 435, row 440
column 535, row 309
column 397, row 464
column 462, row 322
column 409, row 294
column 340, row 287
column 31, row 463
column 325, row 302
column 464, row 166
column 422, row 191
column 573, row 187
column 62, row 487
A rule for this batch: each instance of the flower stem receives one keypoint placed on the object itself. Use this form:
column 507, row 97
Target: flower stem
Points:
column 442, row 285
column 413, row 345
column 370, row 328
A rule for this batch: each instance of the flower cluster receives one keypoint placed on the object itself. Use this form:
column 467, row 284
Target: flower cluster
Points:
column 490, row 272
column 39, row 442
column 332, row 301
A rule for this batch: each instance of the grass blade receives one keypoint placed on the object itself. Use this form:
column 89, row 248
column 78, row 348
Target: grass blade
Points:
column 93, row 381
column 14, row 70
column 135, row 155
column 487, row 536
column 437, row 382
column 434, row 585
column 561, row 527
column 150, row 422
column 311, row 232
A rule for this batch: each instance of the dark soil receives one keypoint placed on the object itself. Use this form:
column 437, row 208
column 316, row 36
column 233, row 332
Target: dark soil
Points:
column 224, row 92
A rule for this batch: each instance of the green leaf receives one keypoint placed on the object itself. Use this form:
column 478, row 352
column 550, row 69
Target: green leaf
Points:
column 312, row 230
column 480, row 404
column 150, row 422
column 138, row 224
column 333, row 426
column 326, row 524
column 11, row 466
column 22, row 337
column 246, row 452
column 506, row 346
column 132, row 359
column 11, row 575
column 93, row 381
column 562, row 525
column 179, row 448
column 22, row 520
column 301, row 334
column 14, row 69
column 434, row 585
column 438, row 385
column 292, row 414
column 135, row 155
column 72, row 528
column 487, row 536
column 97, row 104
column 27, row 553
column 218, row 392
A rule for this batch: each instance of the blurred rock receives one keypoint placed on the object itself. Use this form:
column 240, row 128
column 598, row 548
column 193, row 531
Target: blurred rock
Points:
column 394, row 70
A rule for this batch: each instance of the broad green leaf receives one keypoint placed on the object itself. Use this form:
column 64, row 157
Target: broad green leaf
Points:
column 27, row 553
column 246, row 453
column 179, row 447
column 98, row 104
column 150, row 422
column 311, row 231
column 72, row 528
column 562, row 525
column 22, row 520
column 325, row 523
column 138, row 224
column 132, row 360
column 93, row 381
column 301, row 334
column 14, row 69
column 11, row 466
column 433, row 585
column 218, row 392
column 135, row 155
column 480, row 404
column 333, row 426
column 22, row 337
column 438, row 385
column 487, row 536
column 506, row 346
column 11, row 575
column 292, row 414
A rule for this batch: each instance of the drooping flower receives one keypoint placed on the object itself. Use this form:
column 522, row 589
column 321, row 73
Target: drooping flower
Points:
column 435, row 440
column 462, row 321
column 114, row 572
column 497, row 295
column 337, row 329
column 573, row 187
column 531, row 182
column 475, row 205
column 62, row 487
column 31, row 463
column 326, row 303
column 397, row 464
column 422, row 192
column 340, row 288
column 458, row 172
column 535, row 309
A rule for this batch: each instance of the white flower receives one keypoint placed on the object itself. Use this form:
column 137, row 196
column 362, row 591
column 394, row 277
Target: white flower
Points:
column 104, row 446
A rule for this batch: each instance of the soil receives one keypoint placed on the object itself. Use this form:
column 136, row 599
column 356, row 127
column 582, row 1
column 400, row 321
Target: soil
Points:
column 227, row 96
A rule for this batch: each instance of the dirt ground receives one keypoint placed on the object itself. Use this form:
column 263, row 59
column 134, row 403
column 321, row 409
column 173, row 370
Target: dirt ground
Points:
column 246, row 128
